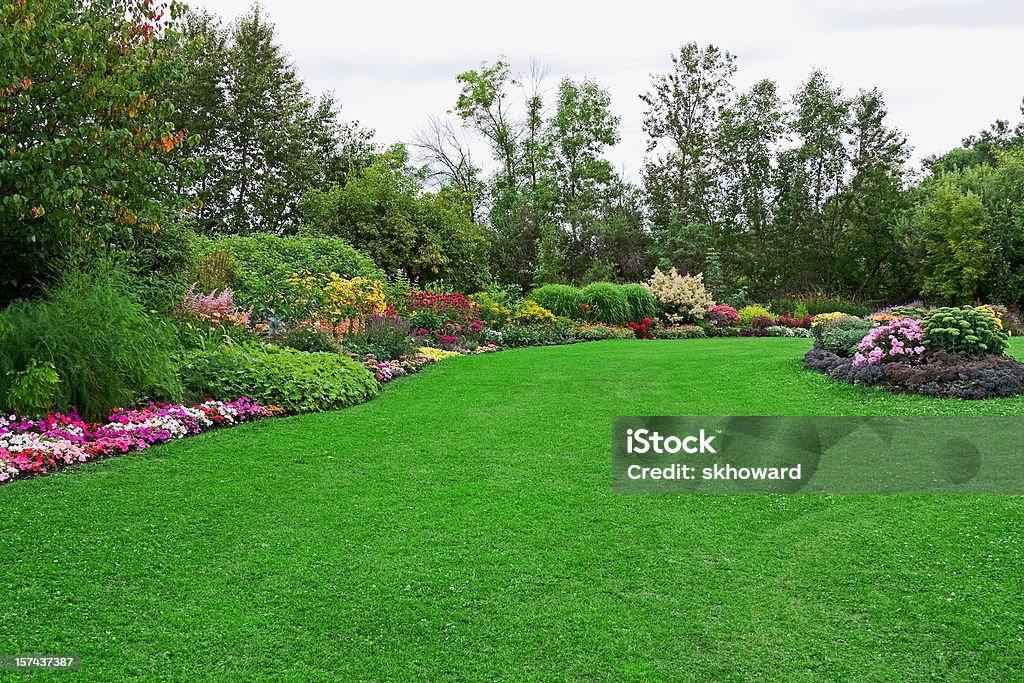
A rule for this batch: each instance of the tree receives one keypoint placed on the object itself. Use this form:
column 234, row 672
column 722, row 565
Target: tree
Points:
column 85, row 132
column 684, row 110
column 750, row 135
column 264, row 139
column 812, row 176
column 955, row 257
column 579, row 132
column 383, row 211
column 873, row 202
column 547, row 192
column 450, row 162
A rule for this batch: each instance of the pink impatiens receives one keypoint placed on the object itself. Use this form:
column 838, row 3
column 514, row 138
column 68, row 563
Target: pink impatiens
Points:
column 901, row 339
column 29, row 447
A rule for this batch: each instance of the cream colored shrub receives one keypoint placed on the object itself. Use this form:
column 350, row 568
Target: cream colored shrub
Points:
column 683, row 296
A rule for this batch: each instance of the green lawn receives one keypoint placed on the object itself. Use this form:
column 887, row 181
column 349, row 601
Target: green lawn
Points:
column 462, row 526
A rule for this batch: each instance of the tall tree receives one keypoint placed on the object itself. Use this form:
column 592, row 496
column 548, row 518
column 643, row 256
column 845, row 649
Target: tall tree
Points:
column 684, row 110
column 751, row 134
column 85, row 132
column 384, row 211
column 812, row 176
column 874, row 201
column 263, row 138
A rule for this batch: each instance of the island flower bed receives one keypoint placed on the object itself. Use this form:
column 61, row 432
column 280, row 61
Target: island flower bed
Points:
column 30, row 447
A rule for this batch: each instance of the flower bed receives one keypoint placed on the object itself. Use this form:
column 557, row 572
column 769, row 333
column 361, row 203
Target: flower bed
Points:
column 30, row 447
column 948, row 353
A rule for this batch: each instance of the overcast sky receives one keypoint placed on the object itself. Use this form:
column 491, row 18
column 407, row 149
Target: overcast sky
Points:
column 947, row 67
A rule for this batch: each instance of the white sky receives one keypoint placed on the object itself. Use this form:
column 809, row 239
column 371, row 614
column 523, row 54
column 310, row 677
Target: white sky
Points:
column 947, row 68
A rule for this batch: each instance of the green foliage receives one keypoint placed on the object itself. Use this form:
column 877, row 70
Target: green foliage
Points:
column 263, row 138
column 385, row 336
column 748, row 314
column 86, row 133
column 384, row 211
column 813, row 304
column 257, row 267
column 953, row 227
column 537, row 335
column 106, row 350
column 32, row 391
column 295, row 381
column 841, row 335
column 605, row 302
column 642, row 303
column 562, row 300
column 310, row 341
column 680, row 332
column 964, row 330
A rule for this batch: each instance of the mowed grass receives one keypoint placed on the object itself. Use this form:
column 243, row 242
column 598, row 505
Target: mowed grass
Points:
column 462, row 527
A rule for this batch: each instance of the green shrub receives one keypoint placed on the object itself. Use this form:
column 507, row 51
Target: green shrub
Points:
column 33, row 390
column 748, row 314
column 642, row 303
column 813, row 305
column 106, row 350
column 562, row 300
column 310, row 341
column 256, row 268
column 964, row 330
column 605, row 302
column 841, row 335
column 387, row 337
column 295, row 381
column 537, row 335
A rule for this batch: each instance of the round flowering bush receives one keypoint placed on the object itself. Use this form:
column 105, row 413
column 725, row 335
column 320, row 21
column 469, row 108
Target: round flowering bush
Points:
column 723, row 316
column 964, row 330
column 642, row 329
column 900, row 340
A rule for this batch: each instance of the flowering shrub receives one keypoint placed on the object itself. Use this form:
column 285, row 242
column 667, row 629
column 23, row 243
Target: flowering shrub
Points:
column 214, row 308
column 822, row 318
column 29, row 447
column 388, row 370
column 901, row 339
column 493, row 311
column 684, row 296
column 749, row 314
column 789, row 320
column 1006, row 319
column 787, row 331
column 531, row 312
column 963, row 330
column 447, row 320
column 642, row 329
column 724, row 316
column 358, row 298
